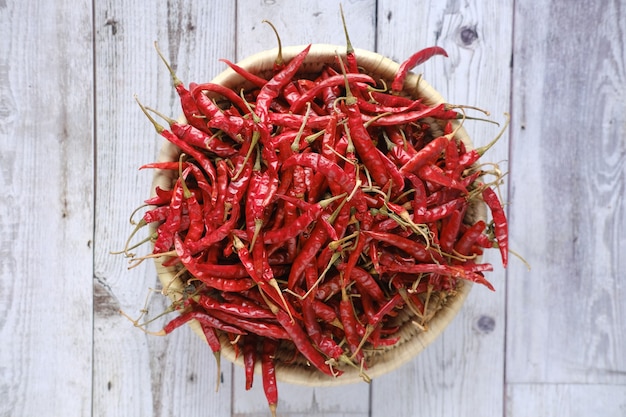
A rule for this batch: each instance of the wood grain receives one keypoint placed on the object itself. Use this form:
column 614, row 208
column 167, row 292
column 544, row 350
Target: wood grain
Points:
column 566, row 316
column 46, row 215
column 572, row 400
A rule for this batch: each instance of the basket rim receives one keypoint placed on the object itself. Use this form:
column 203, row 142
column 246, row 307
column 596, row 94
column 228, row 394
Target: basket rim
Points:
column 415, row 86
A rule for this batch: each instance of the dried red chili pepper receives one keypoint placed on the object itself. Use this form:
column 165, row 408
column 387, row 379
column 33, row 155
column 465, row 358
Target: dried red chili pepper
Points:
column 268, row 371
column 414, row 60
column 499, row 221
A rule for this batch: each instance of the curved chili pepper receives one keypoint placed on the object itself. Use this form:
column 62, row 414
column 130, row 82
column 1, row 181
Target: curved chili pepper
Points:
column 201, row 317
column 190, row 109
column 427, row 155
column 316, row 240
column 438, row 112
column 332, row 81
column 465, row 243
column 271, row 89
column 499, row 221
column 268, row 372
column 450, row 230
column 432, row 173
column 349, row 323
column 414, row 60
column 247, row 75
column 246, row 311
column 157, row 214
column 367, row 284
column 461, row 271
column 249, row 358
column 261, row 328
column 303, row 344
column 417, row 250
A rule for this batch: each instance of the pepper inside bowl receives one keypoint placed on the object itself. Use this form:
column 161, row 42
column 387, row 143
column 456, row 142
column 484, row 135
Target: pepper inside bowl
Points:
column 318, row 223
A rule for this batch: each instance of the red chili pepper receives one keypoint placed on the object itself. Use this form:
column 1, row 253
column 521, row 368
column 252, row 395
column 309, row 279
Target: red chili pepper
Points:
column 330, row 287
column 441, row 211
column 261, row 328
column 246, row 311
column 432, row 173
column 326, row 344
column 437, row 112
column 416, row 249
column 190, row 109
column 171, row 226
column 215, row 235
column 465, row 243
column 427, row 155
column 230, row 95
column 207, row 277
column 332, row 81
column 304, row 345
column 349, row 323
column 247, row 75
column 161, row 197
column 157, row 214
column 461, row 271
column 367, row 284
column 499, row 221
column 450, row 230
column 268, row 372
column 204, row 318
column 272, row 88
column 294, row 121
column 414, row 60
column 249, row 358
column 394, row 302
column 316, row 240
column 204, row 162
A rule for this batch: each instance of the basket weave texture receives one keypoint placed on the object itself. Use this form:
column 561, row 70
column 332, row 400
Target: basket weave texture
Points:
column 413, row 340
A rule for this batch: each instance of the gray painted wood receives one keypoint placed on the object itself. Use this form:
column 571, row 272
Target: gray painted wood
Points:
column 549, row 341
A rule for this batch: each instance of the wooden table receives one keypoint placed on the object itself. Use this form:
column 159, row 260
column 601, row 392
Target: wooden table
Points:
column 549, row 341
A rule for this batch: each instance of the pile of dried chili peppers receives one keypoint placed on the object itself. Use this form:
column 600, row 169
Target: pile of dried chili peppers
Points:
column 307, row 212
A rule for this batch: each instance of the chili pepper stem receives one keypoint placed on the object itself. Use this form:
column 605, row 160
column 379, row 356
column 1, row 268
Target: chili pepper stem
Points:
column 169, row 120
column 481, row 151
column 137, row 261
column 332, row 260
column 156, row 125
column 349, row 48
column 127, row 246
column 175, row 79
column 346, row 360
column 368, row 331
column 253, row 142
column 295, row 146
column 279, row 62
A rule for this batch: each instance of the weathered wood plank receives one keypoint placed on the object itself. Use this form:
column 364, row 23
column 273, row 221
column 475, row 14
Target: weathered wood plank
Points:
column 149, row 375
column 461, row 373
column 299, row 23
column 572, row 400
column 46, row 210
column 566, row 319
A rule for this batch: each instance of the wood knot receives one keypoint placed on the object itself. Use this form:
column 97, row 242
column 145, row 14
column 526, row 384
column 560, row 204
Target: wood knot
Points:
column 468, row 36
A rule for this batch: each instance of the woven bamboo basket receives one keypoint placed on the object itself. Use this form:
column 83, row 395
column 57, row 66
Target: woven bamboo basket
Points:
column 413, row 340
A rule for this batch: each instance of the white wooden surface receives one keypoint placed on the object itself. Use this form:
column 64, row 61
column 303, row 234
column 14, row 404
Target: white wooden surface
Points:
column 550, row 341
